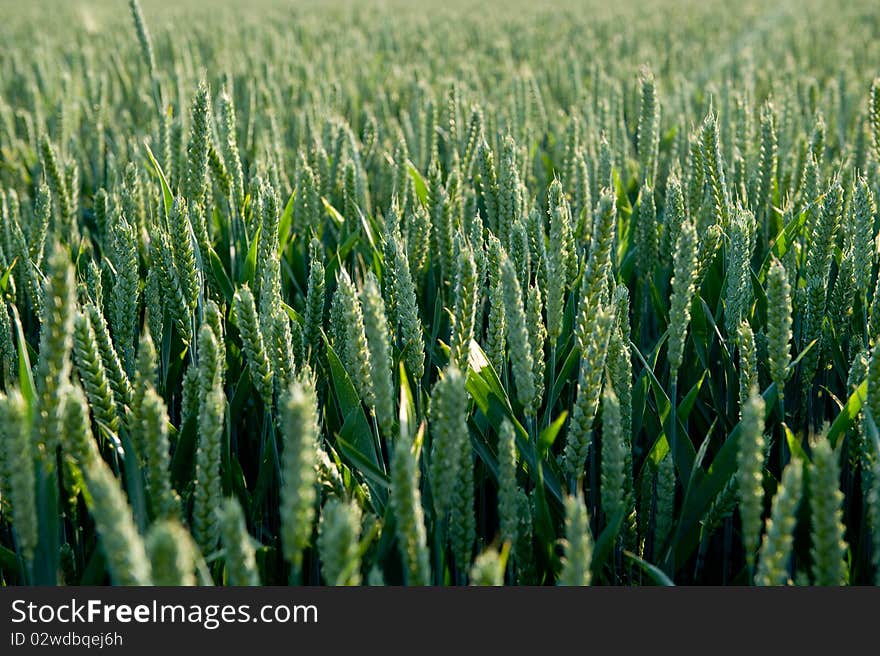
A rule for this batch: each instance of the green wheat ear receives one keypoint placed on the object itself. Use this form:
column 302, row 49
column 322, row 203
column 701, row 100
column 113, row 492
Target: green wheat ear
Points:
column 674, row 215
column 462, row 518
column 56, row 341
column 767, row 160
column 170, row 286
column 619, row 368
column 577, row 545
column 92, row 373
column 449, row 437
column 554, row 263
column 378, row 342
column 406, row 503
column 210, row 430
column 583, row 200
column 664, row 503
column 268, row 278
column 231, row 152
column 874, row 116
column 143, row 35
column 240, row 560
column 509, row 189
column 864, row 211
column 465, row 306
column 183, row 251
column 750, row 472
column 123, row 547
column 648, row 131
column 537, row 338
column 613, row 481
column 713, row 167
column 245, row 312
column 488, row 183
column 646, row 235
column 779, row 536
column 592, row 367
column 299, row 456
column 78, row 441
column 488, row 569
column 826, row 515
column 518, row 338
column 197, row 154
column 119, row 380
column 19, row 250
column 562, row 254
column 738, row 292
column 7, row 347
column 18, row 470
column 173, row 554
column 356, row 350
column 315, row 302
column 496, row 343
column 748, row 363
column 406, row 312
column 124, row 298
column 779, row 321
column 338, row 535
column 508, row 491
column 683, row 284
column 57, row 182
column 598, row 264
column 146, row 370
column 153, row 429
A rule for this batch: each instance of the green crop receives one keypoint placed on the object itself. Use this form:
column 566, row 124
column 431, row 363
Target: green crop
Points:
column 364, row 295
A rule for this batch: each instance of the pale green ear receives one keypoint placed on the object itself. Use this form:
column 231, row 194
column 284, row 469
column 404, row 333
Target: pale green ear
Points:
column 776, row 547
column 589, row 388
column 518, row 336
column 779, row 322
column 229, row 145
column 248, row 322
column 8, row 355
column 174, row 555
column 537, row 338
column 683, row 288
column 750, row 473
column 299, row 459
column 465, row 303
column 648, row 129
column 122, row 544
column 238, row 546
column 488, row 567
column 339, row 533
column 449, row 437
column 748, row 363
column 53, row 365
column 406, row 503
column 151, row 437
column 313, row 321
column 92, row 373
column 356, row 350
column 17, row 475
column 377, row 333
column 405, row 319
column 578, row 544
column 613, row 484
column 210, row 424
column 829, row 567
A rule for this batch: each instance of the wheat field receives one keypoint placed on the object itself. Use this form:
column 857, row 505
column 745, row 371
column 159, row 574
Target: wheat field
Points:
column 391, row 294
